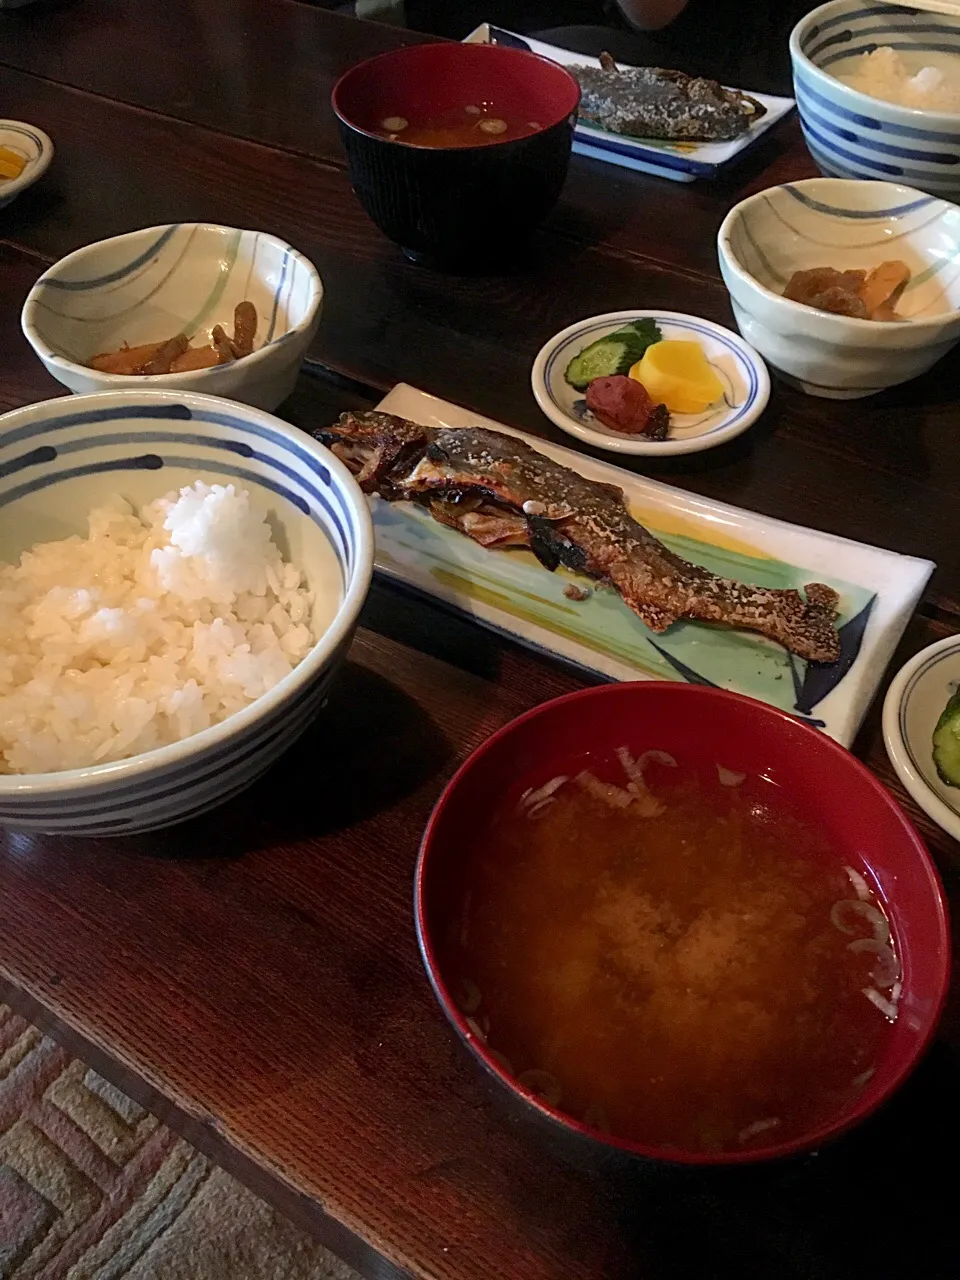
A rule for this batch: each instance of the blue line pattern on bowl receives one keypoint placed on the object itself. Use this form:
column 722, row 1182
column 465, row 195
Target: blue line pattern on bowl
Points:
column 119, row 273
column 189, row 271
column 276, row 297
column 884, row 148
column 578, row 340
column 199, row 779
column 26, row 133
column 184, row 414
column 857, row 215
column 845, row 137
column 213, row 763
column 870, row 122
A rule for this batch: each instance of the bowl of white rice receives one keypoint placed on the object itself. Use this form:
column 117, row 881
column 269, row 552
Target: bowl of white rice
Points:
column 180, row 577
column 878, row 93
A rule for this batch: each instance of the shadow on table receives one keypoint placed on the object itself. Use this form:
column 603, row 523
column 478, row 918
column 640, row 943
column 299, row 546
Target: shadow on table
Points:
column 367, row 750
column 876, row 1204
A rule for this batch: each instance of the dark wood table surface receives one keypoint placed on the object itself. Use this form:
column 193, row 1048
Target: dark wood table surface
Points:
column 253, row 977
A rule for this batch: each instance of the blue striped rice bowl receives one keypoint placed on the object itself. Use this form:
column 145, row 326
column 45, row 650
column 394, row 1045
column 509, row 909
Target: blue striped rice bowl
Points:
column 186, row 277
column 61, row 458
column 835, row 222
column 853, row 135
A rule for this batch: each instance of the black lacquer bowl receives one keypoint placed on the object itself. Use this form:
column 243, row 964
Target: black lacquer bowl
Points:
column 457, row 205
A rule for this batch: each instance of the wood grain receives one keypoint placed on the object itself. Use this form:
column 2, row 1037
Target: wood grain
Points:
column 254, row 977
column 269, row 79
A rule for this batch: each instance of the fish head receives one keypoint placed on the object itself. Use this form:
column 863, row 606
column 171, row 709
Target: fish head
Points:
column 373, row 445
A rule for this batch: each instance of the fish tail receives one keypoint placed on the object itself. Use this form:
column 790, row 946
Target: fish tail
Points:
column 804, row 624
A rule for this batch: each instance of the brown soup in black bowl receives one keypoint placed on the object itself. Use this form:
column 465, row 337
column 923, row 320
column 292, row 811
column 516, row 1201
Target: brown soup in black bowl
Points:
column 457, row 152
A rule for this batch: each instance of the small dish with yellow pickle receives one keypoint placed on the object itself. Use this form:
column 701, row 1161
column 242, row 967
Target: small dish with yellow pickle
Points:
column 650, row 382
column 25, row 155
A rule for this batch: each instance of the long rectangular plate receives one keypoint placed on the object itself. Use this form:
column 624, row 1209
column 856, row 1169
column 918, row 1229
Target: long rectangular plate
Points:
column 513, row 593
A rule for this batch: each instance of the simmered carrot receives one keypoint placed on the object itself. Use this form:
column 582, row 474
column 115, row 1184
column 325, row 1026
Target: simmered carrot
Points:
column 177, row 356
column 164, row 358
column 126, row 360
column 883, row 286
column 195, row 358
column 244, row 328
column 222, row 344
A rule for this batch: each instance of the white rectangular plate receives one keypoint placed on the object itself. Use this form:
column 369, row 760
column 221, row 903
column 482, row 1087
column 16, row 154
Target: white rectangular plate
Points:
column 513, row 593
column 679, row 161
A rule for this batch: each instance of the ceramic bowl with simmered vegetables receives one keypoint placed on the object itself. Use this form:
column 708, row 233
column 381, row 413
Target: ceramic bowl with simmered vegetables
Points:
column 845, row 287
column 186, row 307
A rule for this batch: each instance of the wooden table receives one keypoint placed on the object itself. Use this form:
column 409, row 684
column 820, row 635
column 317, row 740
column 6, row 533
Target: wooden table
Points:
column 254, row 978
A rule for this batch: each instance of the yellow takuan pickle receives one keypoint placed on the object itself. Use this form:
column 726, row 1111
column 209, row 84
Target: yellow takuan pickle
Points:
column 678, row 375
column 12, row 164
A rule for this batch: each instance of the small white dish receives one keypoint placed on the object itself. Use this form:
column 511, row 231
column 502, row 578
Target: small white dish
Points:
column 740, row 369
column 149, row 285
column 35, row 147
column 842, row 223
column 911, row 709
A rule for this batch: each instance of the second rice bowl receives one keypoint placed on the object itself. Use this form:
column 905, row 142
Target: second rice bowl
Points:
column 852, row 134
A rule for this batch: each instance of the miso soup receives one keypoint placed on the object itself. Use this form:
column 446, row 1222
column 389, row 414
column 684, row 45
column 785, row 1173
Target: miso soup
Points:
column 472, row 125
column 672, row 954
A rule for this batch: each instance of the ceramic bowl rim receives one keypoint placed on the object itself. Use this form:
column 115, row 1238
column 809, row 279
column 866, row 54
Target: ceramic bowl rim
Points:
column 899, row 752
column 856, row 99
column 415, row 147
column 39, row 167
column 824, row 1132
column 834, row 326
column 35, row 786
column 632, row 446
column 188, row 379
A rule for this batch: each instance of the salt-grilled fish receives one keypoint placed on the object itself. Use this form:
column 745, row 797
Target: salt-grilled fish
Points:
column 651, row 102
column 502, row 493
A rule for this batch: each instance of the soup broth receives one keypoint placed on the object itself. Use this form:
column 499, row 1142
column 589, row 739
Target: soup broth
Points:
column 473, row 125
column 686, row 963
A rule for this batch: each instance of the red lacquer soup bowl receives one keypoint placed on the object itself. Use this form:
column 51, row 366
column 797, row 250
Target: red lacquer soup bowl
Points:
column 864, row 826
column 457, row 205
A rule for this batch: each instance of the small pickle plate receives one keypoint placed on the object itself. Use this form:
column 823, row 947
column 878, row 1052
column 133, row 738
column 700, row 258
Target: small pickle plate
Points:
column 741, row 371
column 34, row 148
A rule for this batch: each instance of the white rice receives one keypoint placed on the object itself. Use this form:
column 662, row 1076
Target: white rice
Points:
column 884, row 74
column 150, row 629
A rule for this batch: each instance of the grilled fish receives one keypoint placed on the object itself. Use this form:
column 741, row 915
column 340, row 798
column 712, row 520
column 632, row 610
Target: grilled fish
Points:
column 650, row 102
column 502, row 493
